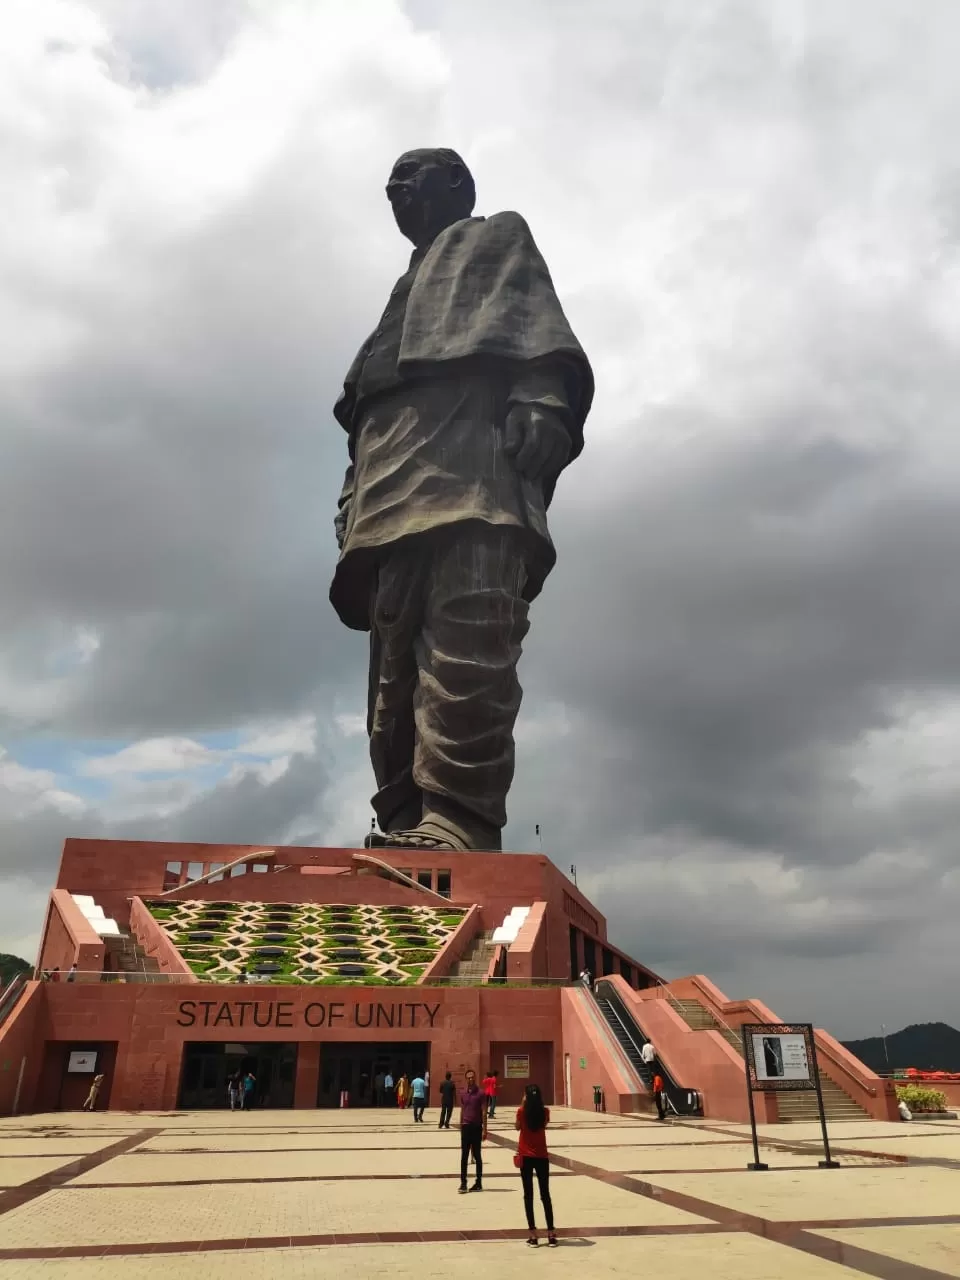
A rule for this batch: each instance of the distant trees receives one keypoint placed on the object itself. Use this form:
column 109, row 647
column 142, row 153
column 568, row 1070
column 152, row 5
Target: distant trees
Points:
column 10, row 966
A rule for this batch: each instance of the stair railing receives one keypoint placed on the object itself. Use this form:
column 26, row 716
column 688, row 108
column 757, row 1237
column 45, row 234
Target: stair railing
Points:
column 11, row 996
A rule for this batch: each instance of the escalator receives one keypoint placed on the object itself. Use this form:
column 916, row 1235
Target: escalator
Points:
column 630, row 1036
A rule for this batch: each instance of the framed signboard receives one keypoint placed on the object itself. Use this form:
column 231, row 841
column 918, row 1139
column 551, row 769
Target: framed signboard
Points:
column 82, row 1062
column 516, row 1066
column 781, row 1057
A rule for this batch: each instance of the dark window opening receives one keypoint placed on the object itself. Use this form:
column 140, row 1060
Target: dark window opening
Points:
column 574, row 954
column 627, row 971
column 425, row 879
column 444, row 883
column 590, row 955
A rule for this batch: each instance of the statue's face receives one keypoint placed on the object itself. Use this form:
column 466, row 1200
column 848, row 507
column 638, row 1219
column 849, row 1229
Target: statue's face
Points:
column 423, row 191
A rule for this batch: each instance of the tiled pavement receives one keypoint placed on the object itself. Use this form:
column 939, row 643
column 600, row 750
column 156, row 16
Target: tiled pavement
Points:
column 356, row 1193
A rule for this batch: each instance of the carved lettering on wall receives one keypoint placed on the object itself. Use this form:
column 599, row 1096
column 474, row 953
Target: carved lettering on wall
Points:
column 281, row 1014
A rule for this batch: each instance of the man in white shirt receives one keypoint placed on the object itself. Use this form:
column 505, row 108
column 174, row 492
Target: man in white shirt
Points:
column 648, row 1054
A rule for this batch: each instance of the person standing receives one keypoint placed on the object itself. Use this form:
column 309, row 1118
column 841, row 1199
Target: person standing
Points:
column 491, row 1084
column 658, row 1095
column 448, row 1093
column 532, row 1120
column 249, row 1087
column 473, row 1130
column 72, row 973
column 403, row 1091
column 233, row 1090
column 378, row 1080
column 388, row 1090
column 91, row 1102
column 418, row 1092
column 55, row 974
column 649, row 1054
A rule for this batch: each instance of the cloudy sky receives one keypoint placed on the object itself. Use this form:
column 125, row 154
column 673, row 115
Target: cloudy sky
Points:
column 742, row 686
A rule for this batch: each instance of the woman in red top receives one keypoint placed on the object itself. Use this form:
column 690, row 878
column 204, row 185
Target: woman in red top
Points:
column 532, row 1120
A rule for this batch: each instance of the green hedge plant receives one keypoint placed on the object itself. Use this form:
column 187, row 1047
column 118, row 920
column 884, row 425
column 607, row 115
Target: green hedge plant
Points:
column 919, row 1098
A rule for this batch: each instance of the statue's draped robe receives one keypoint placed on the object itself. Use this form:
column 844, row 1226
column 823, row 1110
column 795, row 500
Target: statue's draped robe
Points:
column 444, row 542
column 472, row 327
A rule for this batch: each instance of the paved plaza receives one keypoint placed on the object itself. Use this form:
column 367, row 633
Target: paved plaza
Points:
column 363, row 1193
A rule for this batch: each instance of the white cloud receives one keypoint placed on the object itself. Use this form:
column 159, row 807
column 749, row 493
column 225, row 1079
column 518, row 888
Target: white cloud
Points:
column 298, row 735
column 25, row 792
column 151, row 756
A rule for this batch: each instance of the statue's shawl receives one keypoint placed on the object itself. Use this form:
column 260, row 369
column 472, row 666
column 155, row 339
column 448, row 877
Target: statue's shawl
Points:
column 483, row 291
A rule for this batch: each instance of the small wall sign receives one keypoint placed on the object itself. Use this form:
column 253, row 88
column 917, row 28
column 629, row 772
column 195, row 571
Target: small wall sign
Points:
column 516, row 1066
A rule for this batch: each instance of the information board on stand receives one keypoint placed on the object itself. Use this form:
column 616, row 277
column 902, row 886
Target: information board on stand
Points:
column 782, row 1058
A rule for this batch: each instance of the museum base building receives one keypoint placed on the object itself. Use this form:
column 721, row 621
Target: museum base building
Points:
column 167, row 968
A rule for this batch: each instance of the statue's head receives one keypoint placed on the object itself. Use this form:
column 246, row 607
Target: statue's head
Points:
column 429, row 189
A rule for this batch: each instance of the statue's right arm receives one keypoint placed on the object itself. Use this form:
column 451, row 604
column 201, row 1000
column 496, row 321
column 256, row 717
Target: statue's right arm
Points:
column 342, row 517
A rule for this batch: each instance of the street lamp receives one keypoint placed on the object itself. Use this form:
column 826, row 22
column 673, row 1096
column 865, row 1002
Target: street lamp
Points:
column 886, row 1054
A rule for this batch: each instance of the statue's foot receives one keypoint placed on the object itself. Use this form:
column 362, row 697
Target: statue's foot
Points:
column 427, row 835
column 445, row 826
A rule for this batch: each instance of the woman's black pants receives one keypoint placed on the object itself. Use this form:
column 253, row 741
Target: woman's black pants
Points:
column 541, row 1167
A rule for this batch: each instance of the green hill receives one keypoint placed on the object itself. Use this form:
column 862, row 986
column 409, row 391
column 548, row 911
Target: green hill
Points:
column 929, row 1046
column 10, row 966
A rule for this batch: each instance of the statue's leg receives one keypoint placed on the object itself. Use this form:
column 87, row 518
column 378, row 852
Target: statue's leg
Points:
column 394, row 623
column 468, row 695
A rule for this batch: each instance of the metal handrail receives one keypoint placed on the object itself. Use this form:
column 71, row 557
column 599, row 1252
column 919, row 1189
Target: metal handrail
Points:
column 11, row 995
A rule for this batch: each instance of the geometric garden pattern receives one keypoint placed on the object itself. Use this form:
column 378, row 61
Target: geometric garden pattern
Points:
column 306, row 942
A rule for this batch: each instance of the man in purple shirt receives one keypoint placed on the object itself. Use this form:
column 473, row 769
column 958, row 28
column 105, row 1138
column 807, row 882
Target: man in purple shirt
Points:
column 473, row 1130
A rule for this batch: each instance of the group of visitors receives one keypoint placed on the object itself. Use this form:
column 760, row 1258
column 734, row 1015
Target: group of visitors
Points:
column 403, row 1092
column 241, row 1090
column 54, row 974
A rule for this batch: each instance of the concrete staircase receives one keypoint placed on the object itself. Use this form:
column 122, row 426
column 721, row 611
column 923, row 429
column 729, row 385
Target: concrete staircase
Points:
column 471, row 969
column 837, row 1105
column 791, row 1107
column 699, row 1018
column 124, row 956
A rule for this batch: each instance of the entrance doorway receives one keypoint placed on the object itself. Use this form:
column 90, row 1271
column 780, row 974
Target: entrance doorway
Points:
column 206, row 1068
column 352, row 1068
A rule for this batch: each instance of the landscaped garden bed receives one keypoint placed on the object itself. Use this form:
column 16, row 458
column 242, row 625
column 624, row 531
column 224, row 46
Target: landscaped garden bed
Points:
column 306, row 943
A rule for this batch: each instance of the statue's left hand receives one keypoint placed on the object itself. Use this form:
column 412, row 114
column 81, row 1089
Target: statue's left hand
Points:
column 537, row 441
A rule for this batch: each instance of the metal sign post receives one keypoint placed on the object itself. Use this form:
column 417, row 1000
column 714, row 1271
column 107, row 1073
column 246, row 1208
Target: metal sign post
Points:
column 826, row 1162
column 782, row 1058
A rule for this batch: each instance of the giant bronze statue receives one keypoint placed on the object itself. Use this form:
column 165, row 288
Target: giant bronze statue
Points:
column 461, row 409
